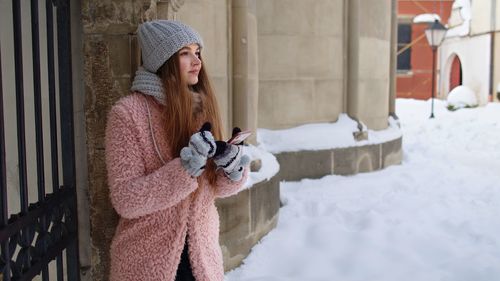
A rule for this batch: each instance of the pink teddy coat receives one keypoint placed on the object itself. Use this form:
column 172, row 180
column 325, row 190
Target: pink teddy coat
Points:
column 159, row 204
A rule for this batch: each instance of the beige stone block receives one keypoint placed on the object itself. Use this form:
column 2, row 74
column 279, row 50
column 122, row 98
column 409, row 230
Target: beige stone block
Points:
column 265, row 17
column 374, row 58
column 264, row 205
column 345, row 161
column 374, row 97
column 265, row 116
column 295, row 166
column 245, row 104
column 289, row 17
column 314, row 17
column 328, row 100
column 245, row 218
column 326, row 16
column 235, row 218
column 375, row 19
column 221, row 91
column 239, row 42
column 392, row 153
column 277, row 56
column 368, row 158
column 253, row 55
column 373, row 103
column 319, row 56
column 292, row 101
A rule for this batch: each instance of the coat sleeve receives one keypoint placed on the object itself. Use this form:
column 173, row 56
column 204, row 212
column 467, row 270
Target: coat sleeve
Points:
column 227, row 187
column 134, row 193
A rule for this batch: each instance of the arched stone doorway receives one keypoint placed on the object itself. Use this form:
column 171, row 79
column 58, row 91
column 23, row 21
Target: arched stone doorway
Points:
column 455, row 73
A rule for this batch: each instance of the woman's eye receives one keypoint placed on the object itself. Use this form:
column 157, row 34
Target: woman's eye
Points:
column 197, row 54
column 183, row 53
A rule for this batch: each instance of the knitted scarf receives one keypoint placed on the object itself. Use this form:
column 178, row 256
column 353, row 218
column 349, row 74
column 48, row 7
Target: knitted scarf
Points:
column 148, row 83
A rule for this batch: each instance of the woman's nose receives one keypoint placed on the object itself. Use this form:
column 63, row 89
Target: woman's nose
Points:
column 196, row 60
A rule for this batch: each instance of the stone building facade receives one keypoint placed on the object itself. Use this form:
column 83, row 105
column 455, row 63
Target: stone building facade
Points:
column 474, row 25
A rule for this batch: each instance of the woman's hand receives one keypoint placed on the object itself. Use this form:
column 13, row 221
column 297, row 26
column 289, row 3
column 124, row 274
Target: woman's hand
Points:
column 201, row 147
column 230, row 158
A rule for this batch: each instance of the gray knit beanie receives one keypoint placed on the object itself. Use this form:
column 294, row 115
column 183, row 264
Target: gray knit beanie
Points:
column 160, row 39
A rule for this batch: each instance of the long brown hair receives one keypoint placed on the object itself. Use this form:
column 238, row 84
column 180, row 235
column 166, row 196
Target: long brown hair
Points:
column 180, row 122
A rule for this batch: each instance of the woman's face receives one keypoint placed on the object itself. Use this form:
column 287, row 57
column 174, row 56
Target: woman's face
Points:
column 190, row 63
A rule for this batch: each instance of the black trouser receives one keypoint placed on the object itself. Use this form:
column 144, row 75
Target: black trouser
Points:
column 184, row 272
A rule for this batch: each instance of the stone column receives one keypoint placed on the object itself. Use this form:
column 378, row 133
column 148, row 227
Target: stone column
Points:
column 394, row 58
column 369, row 60
column 245, row 66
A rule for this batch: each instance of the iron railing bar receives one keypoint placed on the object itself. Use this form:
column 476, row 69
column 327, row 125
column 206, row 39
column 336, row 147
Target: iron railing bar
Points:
column 66, row 93
column 67, row 130
column 51, row 254
column 25, row 220
column 52, row 95
column 21, row 138
column 37, row 92
column 3, row 185
column 3, row 180
column 35, row 39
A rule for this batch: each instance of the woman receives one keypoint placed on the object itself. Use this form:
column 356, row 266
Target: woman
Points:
column 163, row 171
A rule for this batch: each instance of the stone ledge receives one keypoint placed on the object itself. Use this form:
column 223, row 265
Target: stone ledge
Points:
column 245, row 218
column 295, row 166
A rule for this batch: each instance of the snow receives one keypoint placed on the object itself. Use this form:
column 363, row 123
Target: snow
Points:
column 269, row 168
column 435, row 217
column 461, row 96
column 465, row 14
column 322, row 136
column 465, row 8
column 311, row 137
column 426, row 18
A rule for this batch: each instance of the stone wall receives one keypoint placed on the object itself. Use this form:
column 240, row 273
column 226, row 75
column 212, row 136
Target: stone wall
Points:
column 301, row 62
column 109, row 52
column 320, row 58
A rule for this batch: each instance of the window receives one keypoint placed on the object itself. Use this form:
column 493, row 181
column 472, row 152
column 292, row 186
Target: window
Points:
column 404, row 38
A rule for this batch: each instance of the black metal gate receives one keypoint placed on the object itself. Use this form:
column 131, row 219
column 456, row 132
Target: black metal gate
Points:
column 39, row 240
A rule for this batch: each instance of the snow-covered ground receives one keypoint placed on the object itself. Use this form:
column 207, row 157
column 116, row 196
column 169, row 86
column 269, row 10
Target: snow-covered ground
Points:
column 435, row 217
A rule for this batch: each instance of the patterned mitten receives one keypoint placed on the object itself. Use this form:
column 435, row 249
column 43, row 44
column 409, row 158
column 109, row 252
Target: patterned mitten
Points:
column 230, row 159
column 201, row 147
